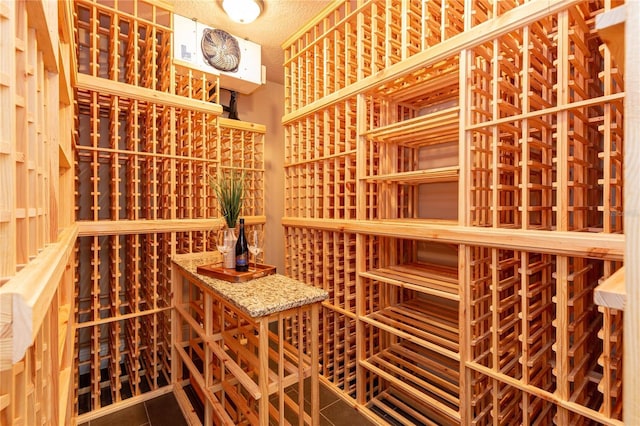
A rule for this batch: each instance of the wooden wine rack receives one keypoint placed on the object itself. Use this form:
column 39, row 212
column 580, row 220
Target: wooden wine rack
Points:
column 149, row 139
column 36, row 226
column 440, row 140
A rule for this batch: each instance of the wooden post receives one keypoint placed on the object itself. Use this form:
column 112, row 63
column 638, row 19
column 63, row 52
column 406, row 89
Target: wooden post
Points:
column 631, row 383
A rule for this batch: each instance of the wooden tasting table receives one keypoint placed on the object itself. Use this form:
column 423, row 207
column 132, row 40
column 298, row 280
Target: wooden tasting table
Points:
column 240, row 346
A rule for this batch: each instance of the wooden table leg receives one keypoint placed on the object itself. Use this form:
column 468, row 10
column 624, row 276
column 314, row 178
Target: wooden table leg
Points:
column 315, row 369
column 263, row 379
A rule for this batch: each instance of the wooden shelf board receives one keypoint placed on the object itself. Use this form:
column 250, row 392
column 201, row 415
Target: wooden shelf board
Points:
column 569, row 243
column 429, row 324
column 437, row 127
column 420, row 277
column 612, row 293
column 422, row 375
column 105, row 86
column 126, row 227
column 228, row 123
column 33, row 288
column 417, row 177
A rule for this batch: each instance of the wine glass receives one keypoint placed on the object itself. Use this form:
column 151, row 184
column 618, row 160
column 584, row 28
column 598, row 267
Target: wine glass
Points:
column 223, row 244
column 255, row 249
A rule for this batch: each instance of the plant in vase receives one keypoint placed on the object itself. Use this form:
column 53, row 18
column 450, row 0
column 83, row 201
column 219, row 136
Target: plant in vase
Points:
column 229, row 190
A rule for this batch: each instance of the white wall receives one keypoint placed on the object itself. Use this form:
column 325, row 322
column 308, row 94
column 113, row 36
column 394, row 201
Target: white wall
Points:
column 266, row 106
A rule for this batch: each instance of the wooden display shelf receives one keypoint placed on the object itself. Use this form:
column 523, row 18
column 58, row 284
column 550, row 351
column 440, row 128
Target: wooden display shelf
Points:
column 421, row 375
column 214, row 270
column 432, row 85
column 437, row 127
column 431, row 279
column 404, row 408
column 612, row 292
column 429, row 322
column 417, row 177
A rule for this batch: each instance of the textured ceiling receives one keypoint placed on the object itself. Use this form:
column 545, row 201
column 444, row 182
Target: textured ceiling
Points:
column 280, row 19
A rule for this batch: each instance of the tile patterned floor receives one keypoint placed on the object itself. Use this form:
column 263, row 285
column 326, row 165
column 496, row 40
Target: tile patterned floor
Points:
column 164, row 411
column 160, row 411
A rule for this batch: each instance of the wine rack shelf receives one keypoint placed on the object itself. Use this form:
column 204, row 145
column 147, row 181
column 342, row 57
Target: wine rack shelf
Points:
column 469, row 117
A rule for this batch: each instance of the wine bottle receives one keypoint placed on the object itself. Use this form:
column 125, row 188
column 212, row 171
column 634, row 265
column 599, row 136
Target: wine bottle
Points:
column 242, row 251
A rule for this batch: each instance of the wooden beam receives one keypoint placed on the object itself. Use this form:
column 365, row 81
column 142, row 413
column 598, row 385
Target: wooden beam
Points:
column 582, row 244
column 143, row 226
column 241, row 125
column 31, row 291
column 105, row 86
column 631, row 360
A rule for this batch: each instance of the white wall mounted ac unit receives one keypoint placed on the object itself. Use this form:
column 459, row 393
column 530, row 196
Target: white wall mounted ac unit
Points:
column 187, row 36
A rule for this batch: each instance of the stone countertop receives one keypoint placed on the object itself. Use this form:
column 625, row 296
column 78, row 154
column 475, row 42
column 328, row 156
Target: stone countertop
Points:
column 257, row 297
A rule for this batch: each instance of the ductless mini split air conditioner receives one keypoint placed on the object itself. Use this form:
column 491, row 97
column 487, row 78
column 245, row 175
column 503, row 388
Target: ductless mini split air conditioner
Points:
column 188, row 41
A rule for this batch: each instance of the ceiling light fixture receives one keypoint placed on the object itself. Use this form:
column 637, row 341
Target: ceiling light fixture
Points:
column 243, row 11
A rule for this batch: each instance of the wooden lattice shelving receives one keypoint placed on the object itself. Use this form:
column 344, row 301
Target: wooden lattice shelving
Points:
column 431, row 279
column 516, row 111
column 425, row 383
column 149, row 139
column 36, row 226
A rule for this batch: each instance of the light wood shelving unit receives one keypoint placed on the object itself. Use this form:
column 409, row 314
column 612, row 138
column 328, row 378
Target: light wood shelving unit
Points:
column 149, row 136
column 36, row 226
column 446, row 165
column 106, row 151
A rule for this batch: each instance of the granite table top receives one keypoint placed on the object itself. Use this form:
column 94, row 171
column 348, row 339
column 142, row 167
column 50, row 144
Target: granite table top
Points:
column 258, row 297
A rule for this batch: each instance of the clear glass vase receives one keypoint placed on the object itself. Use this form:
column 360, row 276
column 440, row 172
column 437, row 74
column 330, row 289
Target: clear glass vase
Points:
column 230, row 239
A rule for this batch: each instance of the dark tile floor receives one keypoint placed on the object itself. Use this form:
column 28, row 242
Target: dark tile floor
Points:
column 160, row 411
column 164, row 411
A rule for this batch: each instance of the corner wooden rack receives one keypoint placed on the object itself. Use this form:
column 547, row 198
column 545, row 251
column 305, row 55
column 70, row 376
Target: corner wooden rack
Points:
column 489, row 116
